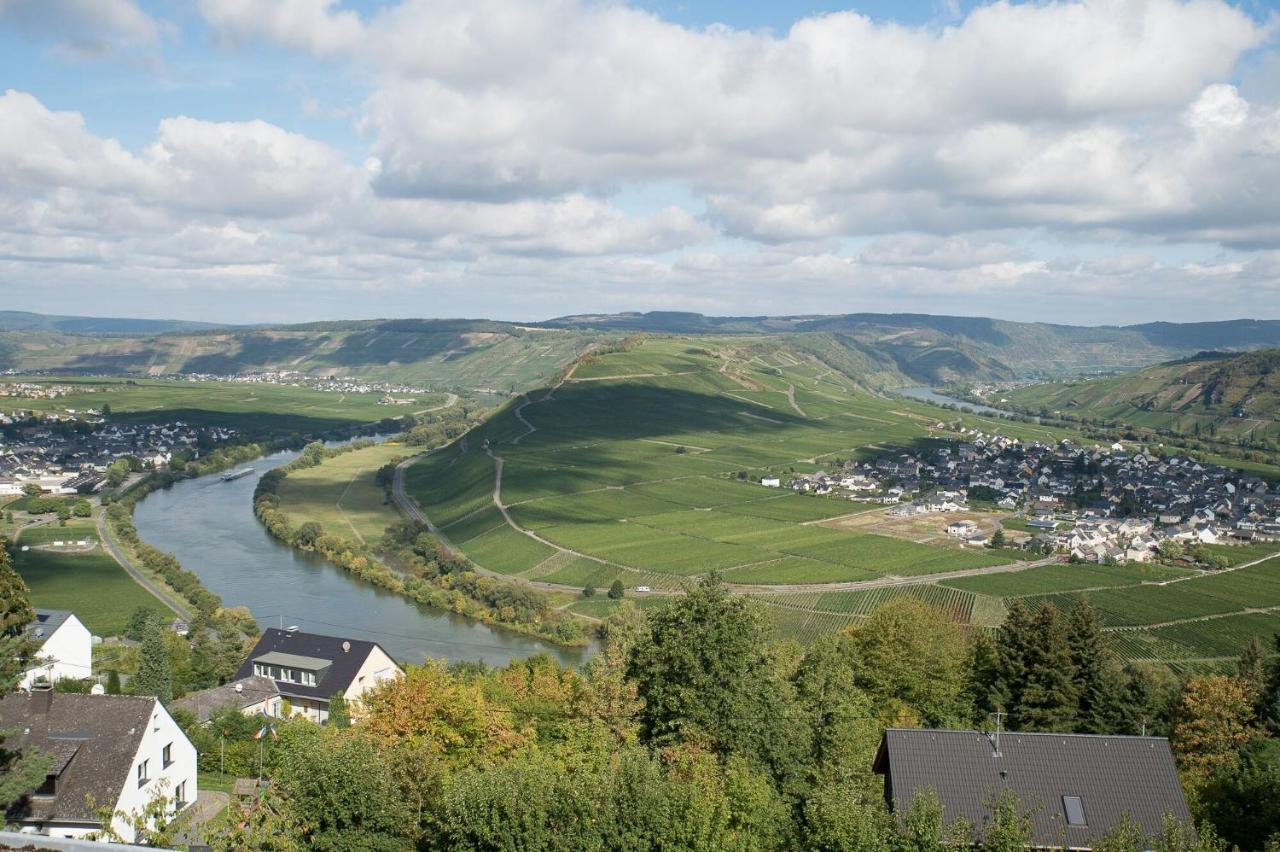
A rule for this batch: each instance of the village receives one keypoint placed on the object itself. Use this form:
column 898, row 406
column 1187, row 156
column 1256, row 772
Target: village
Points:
column 69, row 453
column 293, row 378
column 1109, row 504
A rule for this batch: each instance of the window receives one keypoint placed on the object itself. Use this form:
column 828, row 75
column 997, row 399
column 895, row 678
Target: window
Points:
column 309, row 678
column 180, row 796
column 1075, row 810
column 166, row 756
column 142, row 773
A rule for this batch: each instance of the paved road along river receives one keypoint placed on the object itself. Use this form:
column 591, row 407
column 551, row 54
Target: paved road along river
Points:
column 209, row 525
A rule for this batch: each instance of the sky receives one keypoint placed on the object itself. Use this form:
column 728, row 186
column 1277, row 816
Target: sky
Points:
column 1079, row 161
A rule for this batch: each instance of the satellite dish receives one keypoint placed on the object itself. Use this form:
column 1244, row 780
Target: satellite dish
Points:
column 98, row 689
column 346, row 646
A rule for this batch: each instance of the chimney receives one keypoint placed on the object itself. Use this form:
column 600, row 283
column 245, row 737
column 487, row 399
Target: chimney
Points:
column 41, row 697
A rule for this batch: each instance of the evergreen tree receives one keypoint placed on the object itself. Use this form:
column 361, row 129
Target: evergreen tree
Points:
column 982, row 672
column 155, row 675
column 1049, row 699
column 1098, row 685
column 20, row 771
column 1269, row 701
column 1252, row 667
column 615, row 590
column 1012, row 644
column 113, row 682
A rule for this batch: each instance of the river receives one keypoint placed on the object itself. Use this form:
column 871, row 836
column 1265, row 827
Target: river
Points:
column 927, row 394
column 209, row 525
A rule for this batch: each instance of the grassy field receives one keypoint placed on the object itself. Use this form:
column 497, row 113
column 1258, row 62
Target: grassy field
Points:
column 91, row 584
column 342, row 495
column 632, row 469
column 252, row 408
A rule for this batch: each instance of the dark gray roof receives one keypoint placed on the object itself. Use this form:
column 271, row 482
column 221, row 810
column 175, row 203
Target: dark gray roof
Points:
column 93, row 739
column 47, row 623
column 206, row 702
column 344, row 663
column 1111, row 776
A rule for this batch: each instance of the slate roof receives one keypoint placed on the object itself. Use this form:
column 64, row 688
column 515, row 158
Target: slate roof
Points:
column 47, row 623
column 93, row 739
column 1111, row 776
column 344, row 665
column 207, row 702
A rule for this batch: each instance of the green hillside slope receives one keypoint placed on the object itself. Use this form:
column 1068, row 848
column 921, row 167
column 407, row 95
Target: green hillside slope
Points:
column 465, row 354
column 1212, row 394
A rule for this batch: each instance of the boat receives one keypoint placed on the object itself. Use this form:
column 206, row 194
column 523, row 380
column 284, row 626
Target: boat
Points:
column 233, row 475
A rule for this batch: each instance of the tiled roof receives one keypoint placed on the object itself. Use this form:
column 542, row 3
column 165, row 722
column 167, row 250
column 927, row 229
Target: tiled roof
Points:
column 93, row 739
column 1110, row 775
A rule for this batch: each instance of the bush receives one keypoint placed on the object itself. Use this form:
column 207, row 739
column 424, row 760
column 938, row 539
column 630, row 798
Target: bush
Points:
column 616, row 591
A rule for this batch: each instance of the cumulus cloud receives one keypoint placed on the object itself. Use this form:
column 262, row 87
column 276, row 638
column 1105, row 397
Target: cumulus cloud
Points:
column 503, row 136
column 86, row 28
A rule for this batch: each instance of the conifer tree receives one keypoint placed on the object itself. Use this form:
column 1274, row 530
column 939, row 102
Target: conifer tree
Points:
column 1098, row 686
column 155, row 675
column 20, row 771
column 1049, row 700
column 1252, row 667
column 1012, row 643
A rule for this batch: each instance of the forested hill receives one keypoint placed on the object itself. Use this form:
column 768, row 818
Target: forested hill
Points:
column 479, row 353
column 1226, row 395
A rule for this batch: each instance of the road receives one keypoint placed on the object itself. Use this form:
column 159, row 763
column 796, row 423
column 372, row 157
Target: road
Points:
column 163, row 595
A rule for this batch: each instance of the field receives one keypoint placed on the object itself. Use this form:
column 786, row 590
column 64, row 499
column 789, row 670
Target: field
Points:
column 252, row 408
column 342, row 495
column 639, row 467
column 88, row 582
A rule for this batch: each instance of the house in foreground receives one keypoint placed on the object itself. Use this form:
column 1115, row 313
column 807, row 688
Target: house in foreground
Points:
column 116, row 751
column 1080, row 786
column 308, row 669
column 64, row 648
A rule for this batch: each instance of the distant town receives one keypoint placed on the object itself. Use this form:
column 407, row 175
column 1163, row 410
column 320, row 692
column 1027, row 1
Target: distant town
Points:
column 1097, row 504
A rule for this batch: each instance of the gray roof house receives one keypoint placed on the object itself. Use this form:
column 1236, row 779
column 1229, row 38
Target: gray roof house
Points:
column 1080, row 785
column 118, row 751
column 250, row 695
column 308, row 669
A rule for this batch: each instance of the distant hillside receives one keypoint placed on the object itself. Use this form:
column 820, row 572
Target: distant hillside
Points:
column 25, row 321
column 902, row 348
column 1212, row 394
column 940, row 348
column 438, row 353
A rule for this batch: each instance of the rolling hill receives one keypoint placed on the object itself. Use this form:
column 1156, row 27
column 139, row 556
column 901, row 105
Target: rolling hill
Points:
column 887, row 349
column 1226, row 395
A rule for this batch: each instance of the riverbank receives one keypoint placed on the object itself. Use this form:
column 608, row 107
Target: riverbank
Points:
column 404, row 558
column 209, row 525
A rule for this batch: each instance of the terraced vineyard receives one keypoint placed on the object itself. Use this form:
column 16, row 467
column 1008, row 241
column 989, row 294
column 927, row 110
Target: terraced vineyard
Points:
column 638, row 468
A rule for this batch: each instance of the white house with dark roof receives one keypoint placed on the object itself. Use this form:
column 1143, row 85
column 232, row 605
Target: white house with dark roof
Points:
column 116, row 751
column 308, row 669
column 65, row 648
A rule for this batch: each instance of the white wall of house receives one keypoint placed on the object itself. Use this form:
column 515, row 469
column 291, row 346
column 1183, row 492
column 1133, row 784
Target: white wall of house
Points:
column 177, row 778
column 378, row 667
column 67, row 654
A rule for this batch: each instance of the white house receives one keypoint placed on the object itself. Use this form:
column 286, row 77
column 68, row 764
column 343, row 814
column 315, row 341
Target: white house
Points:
column 250, row 695
column 118, row 751
column 771, row 482
column 65, row 648
column 308, row 669
column 962, row 528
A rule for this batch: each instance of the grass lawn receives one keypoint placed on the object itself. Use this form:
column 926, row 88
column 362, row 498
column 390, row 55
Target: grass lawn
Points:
column 90, row 584
column 341, row 494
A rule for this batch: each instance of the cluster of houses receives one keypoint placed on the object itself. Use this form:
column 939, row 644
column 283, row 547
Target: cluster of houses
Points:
column 123, row 751
column 30, row 390
column 293, row 378
column 1099, row 504
column 69, row 461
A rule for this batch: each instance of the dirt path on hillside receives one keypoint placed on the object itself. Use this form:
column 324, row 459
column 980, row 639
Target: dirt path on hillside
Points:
column 791, row 398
